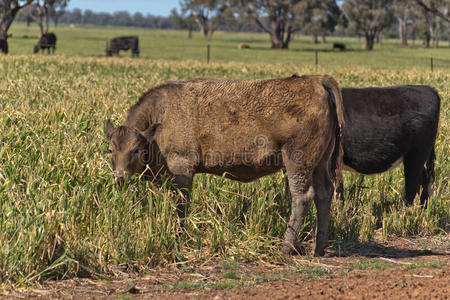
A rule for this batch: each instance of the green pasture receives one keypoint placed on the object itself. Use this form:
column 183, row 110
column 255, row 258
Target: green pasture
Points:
column 61, row 215
column 175, row 45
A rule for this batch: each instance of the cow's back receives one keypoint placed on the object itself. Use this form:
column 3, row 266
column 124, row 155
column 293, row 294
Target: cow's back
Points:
column 383, row 123
column 48, row 40
column 234, row 118
column 124, row 43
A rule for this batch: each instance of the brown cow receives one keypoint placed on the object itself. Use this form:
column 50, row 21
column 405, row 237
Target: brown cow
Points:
column 245, row 129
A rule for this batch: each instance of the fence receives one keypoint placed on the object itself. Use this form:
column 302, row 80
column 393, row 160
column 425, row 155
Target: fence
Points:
column 431, row 63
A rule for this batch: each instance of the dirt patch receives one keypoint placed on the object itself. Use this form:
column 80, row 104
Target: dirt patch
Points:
column 398, row 269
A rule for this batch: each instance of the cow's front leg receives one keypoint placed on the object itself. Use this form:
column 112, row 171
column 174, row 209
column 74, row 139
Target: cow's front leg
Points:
column 183, row 184
column 299, row 174
column 182, row 169
column 302, row 193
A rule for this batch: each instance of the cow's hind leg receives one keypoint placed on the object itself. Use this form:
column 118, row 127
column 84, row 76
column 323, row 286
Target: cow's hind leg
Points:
column 413, row 164
column 323, row 188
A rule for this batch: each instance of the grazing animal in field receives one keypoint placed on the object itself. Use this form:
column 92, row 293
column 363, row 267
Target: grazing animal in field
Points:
column 4, row 45
column 243, row 46
column 244, row 129
column 339, row 46
column 123, row 43
column 385, row 126
column 47, row 41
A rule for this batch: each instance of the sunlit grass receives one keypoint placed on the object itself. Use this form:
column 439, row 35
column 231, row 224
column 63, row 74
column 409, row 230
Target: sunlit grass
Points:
column 175, row 45
column 62, row 215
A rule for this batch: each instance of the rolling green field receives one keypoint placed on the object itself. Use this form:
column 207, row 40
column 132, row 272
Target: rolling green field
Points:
column 61, row 215
column 175, row 45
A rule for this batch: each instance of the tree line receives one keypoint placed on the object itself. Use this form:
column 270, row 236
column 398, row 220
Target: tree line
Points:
column 281, row 19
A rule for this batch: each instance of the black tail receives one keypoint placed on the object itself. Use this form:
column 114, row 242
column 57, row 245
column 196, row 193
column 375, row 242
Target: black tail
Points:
column 428, row 178
column 430, row 165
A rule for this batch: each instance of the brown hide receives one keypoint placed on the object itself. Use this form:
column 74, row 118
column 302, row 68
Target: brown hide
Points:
column 243, row 128
column 246, row 121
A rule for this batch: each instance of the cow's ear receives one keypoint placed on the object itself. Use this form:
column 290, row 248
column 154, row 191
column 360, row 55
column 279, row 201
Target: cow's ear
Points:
column 149, row 133
column 109, row 129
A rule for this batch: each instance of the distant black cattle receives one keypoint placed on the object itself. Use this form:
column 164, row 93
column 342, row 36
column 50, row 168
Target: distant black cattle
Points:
column 339, row 46
column 4, row 46
column 47, row 41
column 123, row 43
column 385, row 126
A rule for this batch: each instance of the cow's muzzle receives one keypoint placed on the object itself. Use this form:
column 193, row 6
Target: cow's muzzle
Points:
column 120, row 178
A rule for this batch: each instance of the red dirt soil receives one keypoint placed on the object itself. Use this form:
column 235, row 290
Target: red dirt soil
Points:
column 398, row 269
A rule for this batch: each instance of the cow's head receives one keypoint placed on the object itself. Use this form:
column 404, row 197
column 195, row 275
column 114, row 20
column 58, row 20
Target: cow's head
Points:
column 36, row 49
column 132, row 151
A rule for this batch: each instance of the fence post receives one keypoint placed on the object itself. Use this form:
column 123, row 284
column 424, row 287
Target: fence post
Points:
column 431, row 64
column 207, row 53
column 317, row 58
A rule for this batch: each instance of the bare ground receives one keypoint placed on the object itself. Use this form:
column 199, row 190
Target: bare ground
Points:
column 398, row 269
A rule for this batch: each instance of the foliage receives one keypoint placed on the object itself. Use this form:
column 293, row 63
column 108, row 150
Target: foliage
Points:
column 283, row 19
column 433, row 17
column 369, row 17
column 207, row 14
column 403, row 10
column 318, row 17
column 436, row 7
column 8, row 11
column 40, row 11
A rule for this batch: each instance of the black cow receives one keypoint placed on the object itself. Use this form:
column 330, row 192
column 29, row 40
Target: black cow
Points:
column 47, row 41
column 384, row 126
column 4, row 46
column 339, row 46
column 123, row 43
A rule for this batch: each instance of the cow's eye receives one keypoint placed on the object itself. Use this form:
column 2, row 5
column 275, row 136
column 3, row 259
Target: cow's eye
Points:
column 136, row 152
column 109, row 150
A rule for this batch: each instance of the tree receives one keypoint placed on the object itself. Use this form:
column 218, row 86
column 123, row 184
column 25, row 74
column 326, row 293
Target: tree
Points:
column 57, row 11
column 183, row 22
column 438, row 8
column 283, row 21
column 433, row 13
column 122, row 18
column 42, row 11
column 402, row 11
column 369, row 17
column 318, row 17
column 207, row 14
column 8, row 11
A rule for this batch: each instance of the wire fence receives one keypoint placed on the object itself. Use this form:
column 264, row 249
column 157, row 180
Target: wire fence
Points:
column 431, row 63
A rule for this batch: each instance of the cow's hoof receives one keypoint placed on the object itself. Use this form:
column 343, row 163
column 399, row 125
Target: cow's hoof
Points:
column 319, row 252
column 291, row 249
